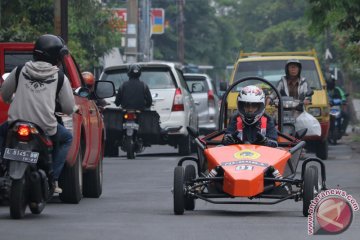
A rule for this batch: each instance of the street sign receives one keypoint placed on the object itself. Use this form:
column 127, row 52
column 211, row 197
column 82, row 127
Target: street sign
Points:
column 157, row 17
column 157, row 20
column 120, row 19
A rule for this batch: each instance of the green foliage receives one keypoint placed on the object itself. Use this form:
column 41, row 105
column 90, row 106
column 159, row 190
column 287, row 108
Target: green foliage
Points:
column 89, row 26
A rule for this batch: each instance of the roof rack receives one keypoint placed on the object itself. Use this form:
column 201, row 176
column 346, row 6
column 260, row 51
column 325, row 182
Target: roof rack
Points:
column 253, row 54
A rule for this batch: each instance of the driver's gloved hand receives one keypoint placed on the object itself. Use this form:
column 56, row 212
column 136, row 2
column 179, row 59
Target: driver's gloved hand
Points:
column 229, row 139
column 260, row 139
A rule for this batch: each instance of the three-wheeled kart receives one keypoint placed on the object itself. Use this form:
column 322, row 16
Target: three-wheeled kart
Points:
column 247, row 170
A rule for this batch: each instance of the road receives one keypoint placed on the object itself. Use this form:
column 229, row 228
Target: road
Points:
column 137, row 204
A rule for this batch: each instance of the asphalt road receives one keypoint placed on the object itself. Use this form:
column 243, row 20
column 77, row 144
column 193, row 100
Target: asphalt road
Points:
column 137, row 204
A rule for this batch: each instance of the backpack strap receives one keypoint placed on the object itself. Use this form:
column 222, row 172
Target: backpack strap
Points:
column 60, row 82
column 17, row 74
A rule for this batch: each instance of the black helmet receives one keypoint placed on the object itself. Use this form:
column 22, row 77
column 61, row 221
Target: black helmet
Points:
column 134, row 70
column 292, row 61
column 47, row 48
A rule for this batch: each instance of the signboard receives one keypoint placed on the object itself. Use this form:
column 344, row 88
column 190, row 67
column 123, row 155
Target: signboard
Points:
column 120, row 19
column 157, row 19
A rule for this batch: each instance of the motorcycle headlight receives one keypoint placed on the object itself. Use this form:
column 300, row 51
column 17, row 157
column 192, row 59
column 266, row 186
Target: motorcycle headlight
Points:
column 315, row 111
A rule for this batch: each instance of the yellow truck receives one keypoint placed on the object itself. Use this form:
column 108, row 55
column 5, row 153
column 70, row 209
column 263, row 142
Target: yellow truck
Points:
column 271, row 66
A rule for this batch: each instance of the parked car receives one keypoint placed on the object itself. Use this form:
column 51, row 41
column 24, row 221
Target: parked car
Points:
column 206, row 100
column 172, row 100
column 271, row 66
column 82, row 174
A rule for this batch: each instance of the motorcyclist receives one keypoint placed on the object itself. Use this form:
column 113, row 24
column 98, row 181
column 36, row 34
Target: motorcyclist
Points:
column 292, row 84
column 249, row 123
column 336, row 92
column 36, row 96
column 134, row 94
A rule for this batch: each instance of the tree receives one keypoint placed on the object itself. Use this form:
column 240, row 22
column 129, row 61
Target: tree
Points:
column 90, row 31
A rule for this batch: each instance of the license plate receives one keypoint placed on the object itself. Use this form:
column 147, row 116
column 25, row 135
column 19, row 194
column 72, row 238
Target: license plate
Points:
column 21, row 155
column 289, row 120
column 131, row 125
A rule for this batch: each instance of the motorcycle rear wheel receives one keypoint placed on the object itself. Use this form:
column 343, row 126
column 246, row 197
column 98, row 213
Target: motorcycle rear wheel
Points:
column 130, row 147
column 18, row 198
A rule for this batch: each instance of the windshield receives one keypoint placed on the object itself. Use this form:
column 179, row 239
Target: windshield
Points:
column 273, row 70
column 197, row 84
column 155, row 78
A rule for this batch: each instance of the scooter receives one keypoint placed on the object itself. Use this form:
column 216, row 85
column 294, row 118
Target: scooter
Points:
column 27, row 169
column 131, row 142
column 335, row 121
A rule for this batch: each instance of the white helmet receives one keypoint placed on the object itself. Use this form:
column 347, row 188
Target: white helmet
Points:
column 247, row 95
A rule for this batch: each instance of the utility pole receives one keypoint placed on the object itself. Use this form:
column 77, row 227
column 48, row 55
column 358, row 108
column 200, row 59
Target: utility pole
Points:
column 61, row 19
column 144, row 30
column 131, row 50
column 181, row 20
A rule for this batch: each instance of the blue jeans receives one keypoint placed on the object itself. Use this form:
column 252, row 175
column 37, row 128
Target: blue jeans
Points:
column 62, row 141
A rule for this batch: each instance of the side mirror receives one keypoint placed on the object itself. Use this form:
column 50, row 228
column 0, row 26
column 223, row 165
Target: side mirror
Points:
column 300, row 133
column 223, row 86
column 104, row 89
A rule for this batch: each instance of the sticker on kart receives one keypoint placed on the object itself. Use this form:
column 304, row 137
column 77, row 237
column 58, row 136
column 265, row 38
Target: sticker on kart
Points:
column 249, row 162
column 247, row 154
column 21, row 155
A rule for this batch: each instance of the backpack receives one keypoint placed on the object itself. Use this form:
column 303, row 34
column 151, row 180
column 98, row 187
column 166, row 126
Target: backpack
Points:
column 59, row 83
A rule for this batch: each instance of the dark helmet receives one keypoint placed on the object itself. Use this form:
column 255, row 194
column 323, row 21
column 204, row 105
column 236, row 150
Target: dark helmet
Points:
column 292, row 61
column 134, row 70
column 47, row 48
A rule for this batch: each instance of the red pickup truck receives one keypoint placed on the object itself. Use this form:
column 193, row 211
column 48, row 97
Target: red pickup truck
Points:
column 82, row 174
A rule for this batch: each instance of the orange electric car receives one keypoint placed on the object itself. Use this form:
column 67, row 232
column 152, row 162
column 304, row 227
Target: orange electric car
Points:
column 240, row 173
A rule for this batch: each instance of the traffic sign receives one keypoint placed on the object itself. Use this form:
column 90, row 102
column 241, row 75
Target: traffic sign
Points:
column 157, row 20
column 157, row 17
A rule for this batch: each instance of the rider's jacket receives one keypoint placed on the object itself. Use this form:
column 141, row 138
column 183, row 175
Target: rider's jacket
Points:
column 265, row 125
column 134, row 94
column 283, row 89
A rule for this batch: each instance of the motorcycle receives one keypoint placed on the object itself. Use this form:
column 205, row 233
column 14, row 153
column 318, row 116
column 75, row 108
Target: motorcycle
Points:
column 335, row 133
column 131, row 142
column 27, row 169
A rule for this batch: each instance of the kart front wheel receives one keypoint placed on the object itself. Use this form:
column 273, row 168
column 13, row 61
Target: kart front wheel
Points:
column 190, row 174
column 310, row 187
column 178, row 191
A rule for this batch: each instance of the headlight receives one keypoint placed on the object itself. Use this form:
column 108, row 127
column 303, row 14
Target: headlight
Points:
column 315, row 111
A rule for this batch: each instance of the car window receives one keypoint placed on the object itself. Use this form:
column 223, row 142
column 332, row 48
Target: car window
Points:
column 197, row 84
column 155, row 78
column 273, row 70
column 15, row 58
column 182, row 80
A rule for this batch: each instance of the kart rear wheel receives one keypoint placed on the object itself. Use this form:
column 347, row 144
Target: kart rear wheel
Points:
column 37, row 208
column 190, row 174
column 310, row 188
column 178, row 191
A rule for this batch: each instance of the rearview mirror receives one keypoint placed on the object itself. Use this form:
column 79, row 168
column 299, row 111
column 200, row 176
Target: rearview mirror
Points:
column 104, row 89
column 300, row 133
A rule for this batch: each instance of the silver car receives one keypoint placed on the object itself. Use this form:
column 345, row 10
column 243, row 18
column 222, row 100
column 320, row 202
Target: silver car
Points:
column 206, row 101
column 172, row 100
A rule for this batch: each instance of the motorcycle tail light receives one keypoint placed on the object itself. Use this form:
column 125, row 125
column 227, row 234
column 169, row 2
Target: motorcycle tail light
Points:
column 24, row 132
column 130, row 116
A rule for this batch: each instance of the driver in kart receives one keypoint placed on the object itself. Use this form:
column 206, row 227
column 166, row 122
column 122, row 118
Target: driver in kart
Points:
column 250, row 124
